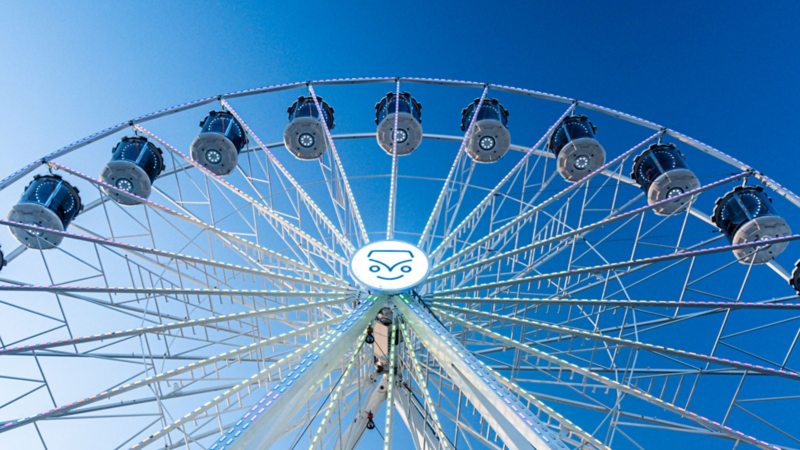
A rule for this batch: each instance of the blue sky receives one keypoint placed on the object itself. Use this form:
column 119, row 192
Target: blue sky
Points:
column 722, row 72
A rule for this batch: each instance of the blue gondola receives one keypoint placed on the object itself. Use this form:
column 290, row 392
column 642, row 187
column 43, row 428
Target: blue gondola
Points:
column 794, row 281
column 409, row 123
column 489, row 139
column 218, row 145
column 305, row 136
column 576, row 149
column 662, row 173
column 746, row 214
column 48, row 202
column 135, row 164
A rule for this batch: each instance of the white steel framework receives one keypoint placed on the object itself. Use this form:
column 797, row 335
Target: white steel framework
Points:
column 221, row 312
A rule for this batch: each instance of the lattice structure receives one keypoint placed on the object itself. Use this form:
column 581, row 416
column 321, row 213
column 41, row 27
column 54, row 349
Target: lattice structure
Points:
column 221, row 308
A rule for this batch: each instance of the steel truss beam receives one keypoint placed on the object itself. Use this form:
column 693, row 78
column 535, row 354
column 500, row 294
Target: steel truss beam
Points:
column 312, row 207
column 272, row 215
column 261, row 427
column 221, row 233
column 771, row 304
column 474, row 216
column 165, row 327
column 512, row 421
column 348, row 192
column 576, row 232
column 171, row 373
column 416, row 373
column 576, row 332
column 618, row 265
column 425, row 240
column 722, row 430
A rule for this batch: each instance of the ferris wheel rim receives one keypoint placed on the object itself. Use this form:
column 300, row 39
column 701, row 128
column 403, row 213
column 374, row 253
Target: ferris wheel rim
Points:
column 258, row 91
column 772, row 184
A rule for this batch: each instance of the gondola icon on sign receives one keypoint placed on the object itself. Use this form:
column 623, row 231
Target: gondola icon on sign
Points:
column 389, row 266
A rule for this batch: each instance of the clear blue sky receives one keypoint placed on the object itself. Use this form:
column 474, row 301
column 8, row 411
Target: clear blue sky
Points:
column 722, row 72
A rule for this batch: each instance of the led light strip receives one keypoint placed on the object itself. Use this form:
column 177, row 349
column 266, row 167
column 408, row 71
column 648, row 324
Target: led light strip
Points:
column 387, row 434
column 161, row 328
column 321, row 246
column 424, row 387
column 335, row 395
column 348, row 191
column 514, row 408
column 566, row 423
column 618, row 265
column 137, row 248
column 723, row 429
column 623, row 342
column 311, row 353
column 444, row 301
column 440, row 200
column 542, row 243
column 393, row 182
column 524, row 215
column 306, row 198
column 178, row 256
column 270, row 253
column 171, row 373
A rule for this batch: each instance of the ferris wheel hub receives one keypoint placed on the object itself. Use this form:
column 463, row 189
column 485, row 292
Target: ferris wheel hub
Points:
column 389, row 266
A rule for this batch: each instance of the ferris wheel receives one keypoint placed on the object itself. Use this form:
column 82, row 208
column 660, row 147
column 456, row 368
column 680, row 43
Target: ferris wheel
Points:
column 552, row 274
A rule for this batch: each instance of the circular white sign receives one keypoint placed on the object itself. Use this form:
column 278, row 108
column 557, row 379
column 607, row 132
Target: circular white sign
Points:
column 389, row 266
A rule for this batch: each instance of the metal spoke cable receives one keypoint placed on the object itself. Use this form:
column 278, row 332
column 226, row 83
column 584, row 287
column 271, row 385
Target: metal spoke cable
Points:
column 303, row 194
column 429, row 229
column 347, row 190
column 417, row 373
column 723, row 430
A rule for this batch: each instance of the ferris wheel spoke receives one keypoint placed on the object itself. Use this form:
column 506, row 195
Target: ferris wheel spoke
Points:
column 428, row 233
column 574, row 435
column 393, row 180
column 194, row 261
column 512, row 421
column 201, row 322
column 584, row 439
column 214, row 360
column 351, row 201
column 772, row 304
column 229, row 238
column 418, row 376
column 722, row 430
column 334, row 403
column 349, row 404
column 312, row 207
column 473, row 217
column 618, row 265
column 275, row 218
column 579, row 333
column 579, row 231
column 319, row 358
column 304, row 260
